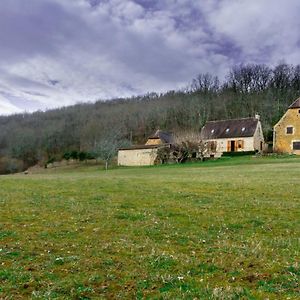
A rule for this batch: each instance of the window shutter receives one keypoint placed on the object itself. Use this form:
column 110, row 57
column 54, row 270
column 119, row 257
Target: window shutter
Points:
column 228, row 146
column 236, row 145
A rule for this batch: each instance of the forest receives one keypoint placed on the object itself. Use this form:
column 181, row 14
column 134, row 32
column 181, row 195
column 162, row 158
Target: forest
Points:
column 97, row 129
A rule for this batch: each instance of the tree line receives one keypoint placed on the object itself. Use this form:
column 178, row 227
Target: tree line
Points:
column 98, row 129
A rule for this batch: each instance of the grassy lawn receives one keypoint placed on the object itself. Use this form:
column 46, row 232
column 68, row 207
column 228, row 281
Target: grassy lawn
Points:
column 228, row 229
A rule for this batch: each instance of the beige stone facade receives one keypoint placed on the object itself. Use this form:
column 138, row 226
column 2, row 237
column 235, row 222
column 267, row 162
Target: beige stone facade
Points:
column 154, row 142
column 145, row 155
column 286, row 138
column 239, row 135
column 137, row 157
column 239, row 144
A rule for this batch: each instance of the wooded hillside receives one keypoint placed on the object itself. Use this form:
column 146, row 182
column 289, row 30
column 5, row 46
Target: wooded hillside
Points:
column 28, row 138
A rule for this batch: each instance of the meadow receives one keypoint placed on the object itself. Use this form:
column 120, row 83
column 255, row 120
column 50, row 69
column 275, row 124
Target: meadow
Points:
column 227, row 229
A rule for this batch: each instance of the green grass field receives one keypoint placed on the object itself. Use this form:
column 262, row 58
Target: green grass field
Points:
column 227, row 229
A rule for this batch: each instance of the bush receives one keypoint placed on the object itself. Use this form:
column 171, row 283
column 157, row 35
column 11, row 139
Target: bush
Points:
column 74, row 154
column 82, row 156
column 11, row 165
column 90, row 155
column 241, row 153
column 67, row 155
column 51, row 160
column 163, row 155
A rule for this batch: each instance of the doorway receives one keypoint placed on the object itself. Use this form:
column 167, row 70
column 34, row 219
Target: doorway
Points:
column 232, row 146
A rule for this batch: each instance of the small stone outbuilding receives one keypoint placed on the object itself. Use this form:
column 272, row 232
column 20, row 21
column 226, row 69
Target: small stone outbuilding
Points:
column 286, row 138
column 236, row 135
column 145, row 155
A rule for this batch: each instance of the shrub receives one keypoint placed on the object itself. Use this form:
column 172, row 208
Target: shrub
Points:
column 67, row 155
column 51, row 160
column 82, row 156
column 11, row 165
column 74, row 154
column 90, row 155
column 241, row 153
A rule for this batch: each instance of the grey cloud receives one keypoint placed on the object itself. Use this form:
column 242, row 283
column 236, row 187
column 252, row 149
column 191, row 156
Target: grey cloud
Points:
column 31, row 28
column 59, row 52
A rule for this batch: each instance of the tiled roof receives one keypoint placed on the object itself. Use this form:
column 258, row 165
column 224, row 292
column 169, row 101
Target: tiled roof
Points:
column 165, row 136
column 295, row 104
column 229, row 128
column 136, row 147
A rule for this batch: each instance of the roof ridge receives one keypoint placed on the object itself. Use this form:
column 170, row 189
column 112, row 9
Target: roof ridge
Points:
column 237, row 119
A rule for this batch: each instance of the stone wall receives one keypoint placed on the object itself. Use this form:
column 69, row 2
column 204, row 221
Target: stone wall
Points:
column 137, row 157
column 258, row 139
column 283, row 142
column 153, row 142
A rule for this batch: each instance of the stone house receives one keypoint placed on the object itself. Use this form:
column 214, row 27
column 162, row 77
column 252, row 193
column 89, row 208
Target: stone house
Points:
column 145, row 155
column 235, row 135
column 286, row 138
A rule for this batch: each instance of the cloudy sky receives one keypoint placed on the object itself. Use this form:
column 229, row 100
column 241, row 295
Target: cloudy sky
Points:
column 60, row 52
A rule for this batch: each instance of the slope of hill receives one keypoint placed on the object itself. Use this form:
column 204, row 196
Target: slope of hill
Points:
column 40, row 136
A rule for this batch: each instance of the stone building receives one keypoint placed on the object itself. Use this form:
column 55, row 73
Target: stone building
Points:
column 145, row 155
column 233, row 135
column 286, row 138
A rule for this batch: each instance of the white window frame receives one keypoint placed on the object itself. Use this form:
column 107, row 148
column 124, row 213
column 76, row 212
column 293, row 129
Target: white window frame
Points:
column 286, row 127
column 293, row 141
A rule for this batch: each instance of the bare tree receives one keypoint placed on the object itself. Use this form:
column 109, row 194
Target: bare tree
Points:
column 250, row 78
column 189, row 145
column 107, row 146
column 282, row 77
column 248, row 89
column 205, row 83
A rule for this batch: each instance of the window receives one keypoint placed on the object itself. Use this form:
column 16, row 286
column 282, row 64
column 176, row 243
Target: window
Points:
column 296, row 145
column 289, row 130
column 240, row 144
column 212, row 146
